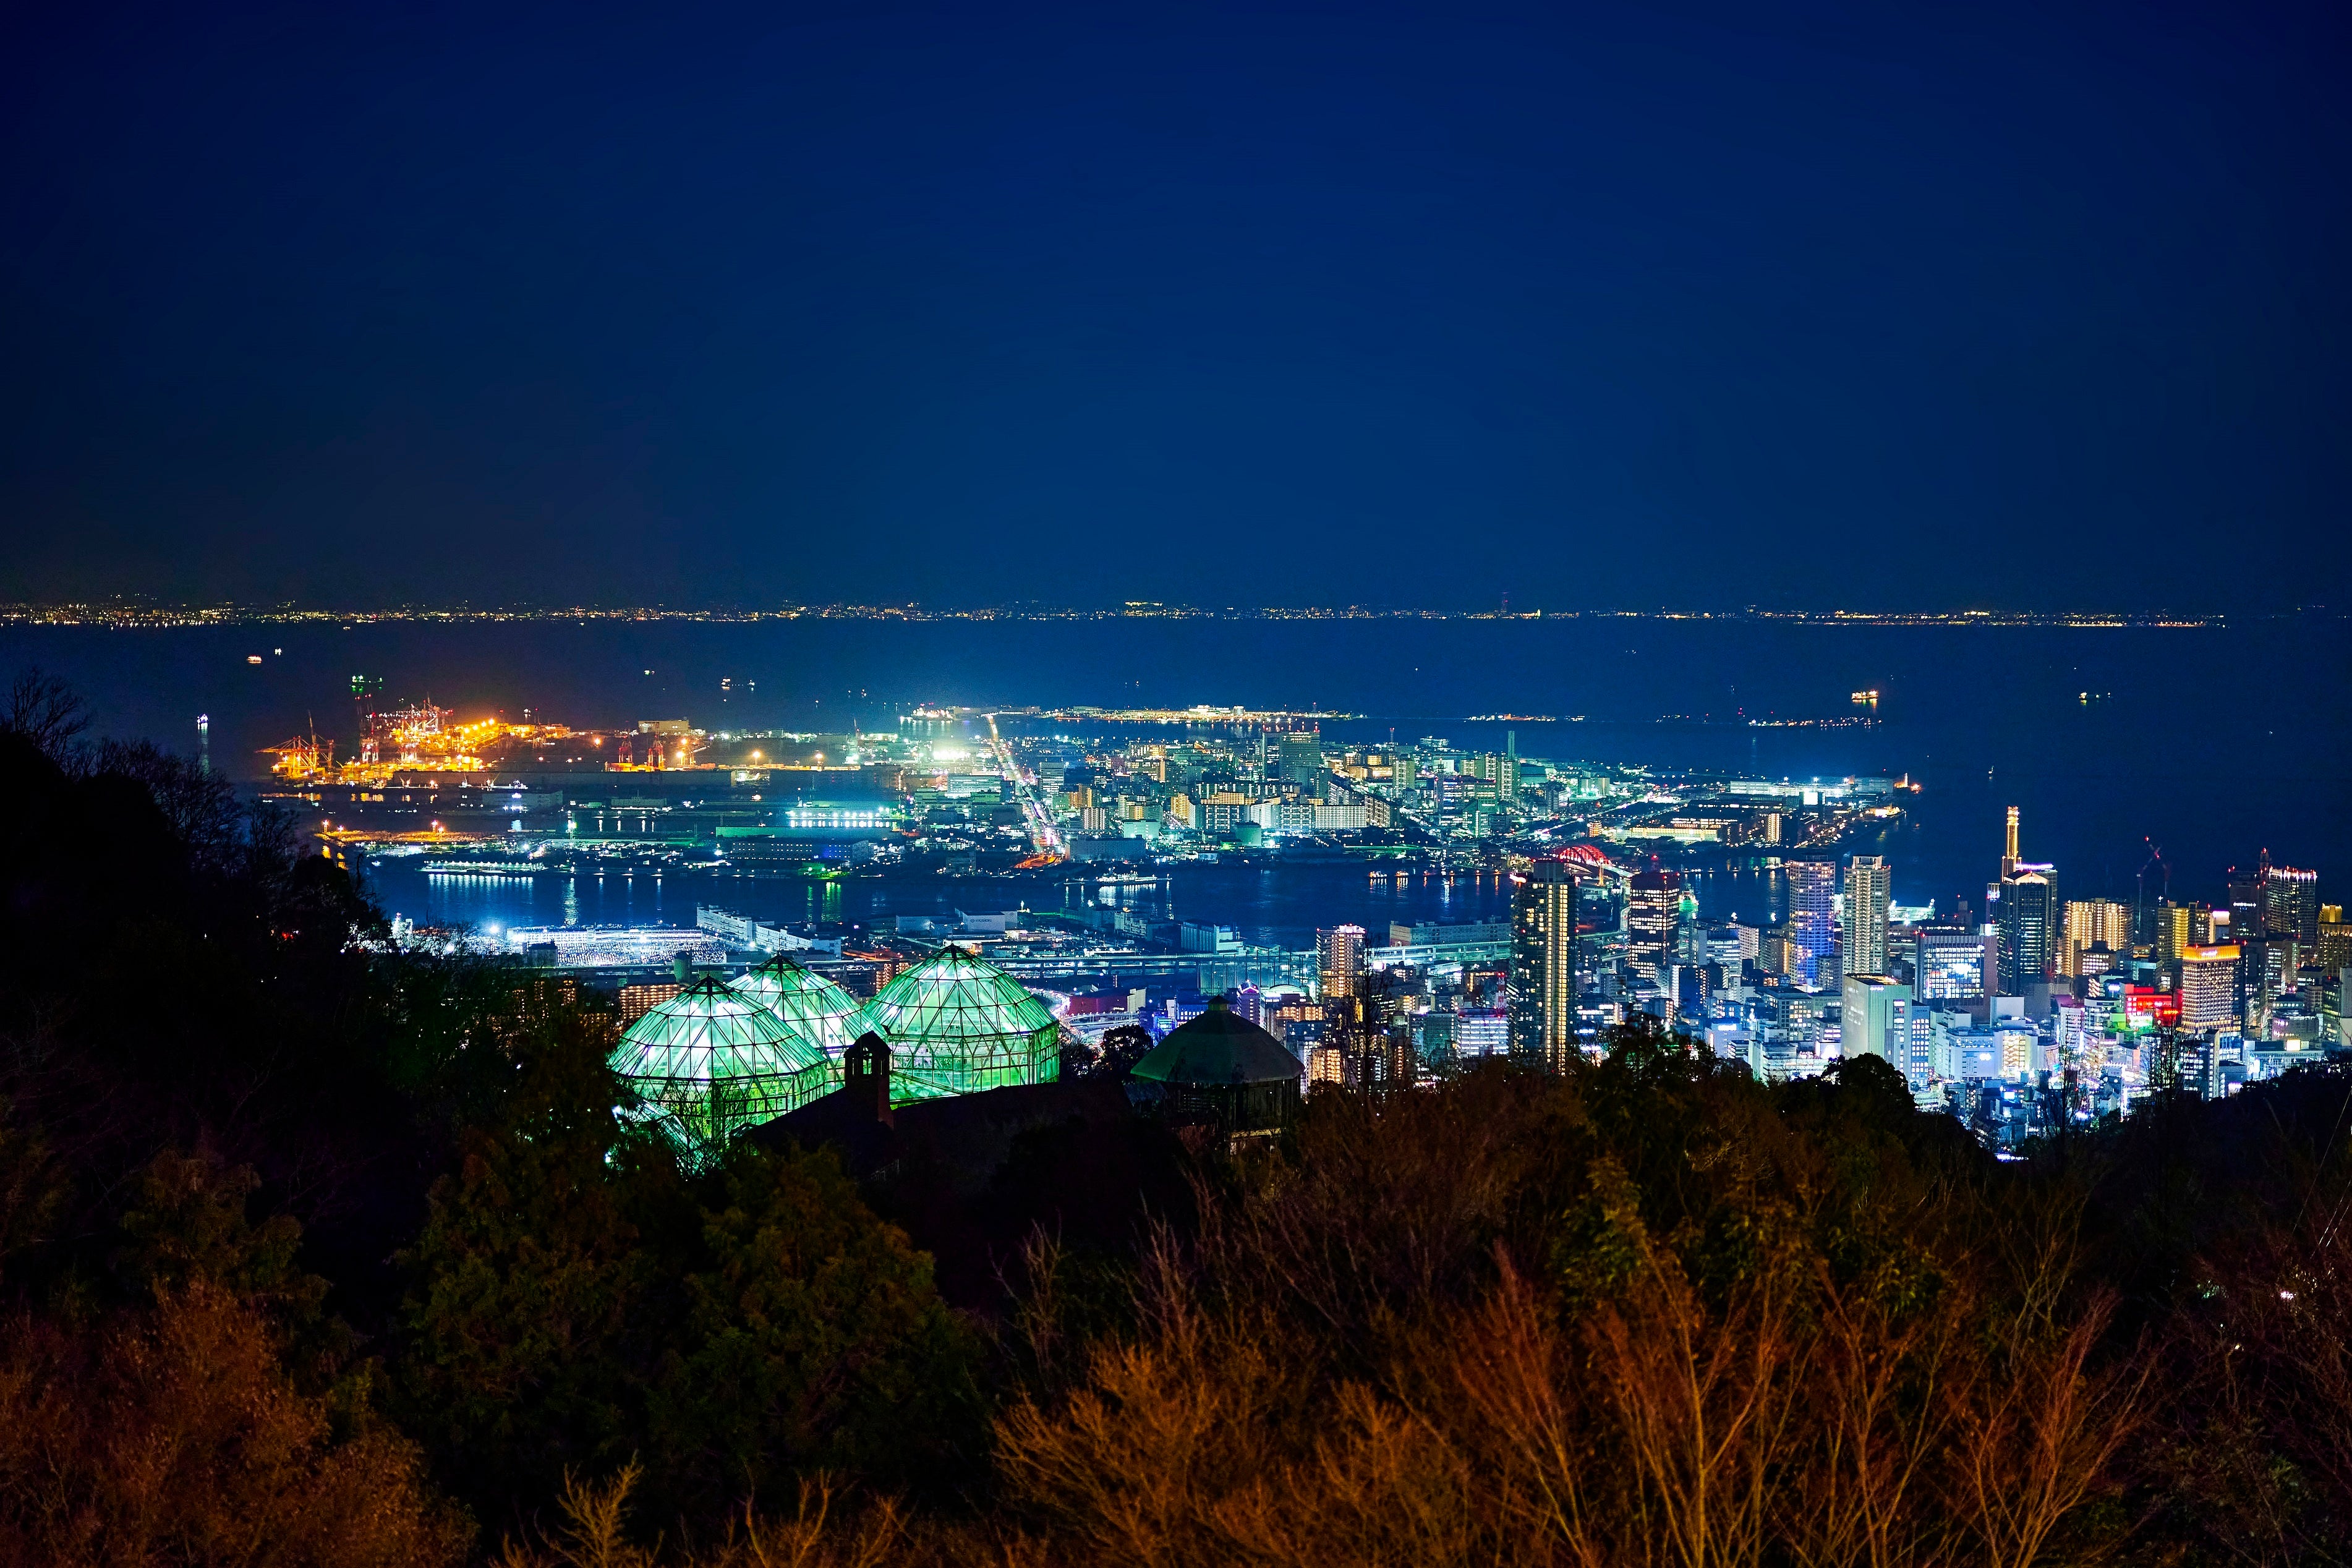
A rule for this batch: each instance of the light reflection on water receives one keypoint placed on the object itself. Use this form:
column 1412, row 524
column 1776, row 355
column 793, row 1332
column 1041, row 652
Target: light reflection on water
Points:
column 2176, row 748
column 1282, row 905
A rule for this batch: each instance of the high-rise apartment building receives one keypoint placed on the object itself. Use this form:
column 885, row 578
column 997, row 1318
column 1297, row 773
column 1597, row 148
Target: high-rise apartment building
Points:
column 1866, row 886
column 1651, row 901
column 2209, row 987
column 1367, row 1039
column 2094, row 923
column 1340, row 959
column 1813, row 918
column 1543, row 966
column 2174, row 932
column 2090, row 921
column 1302, row 758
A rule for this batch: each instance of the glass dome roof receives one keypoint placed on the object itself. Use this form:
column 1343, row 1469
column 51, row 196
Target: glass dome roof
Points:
column 958, row 1025
column 708, row 1063
column 813, row 1007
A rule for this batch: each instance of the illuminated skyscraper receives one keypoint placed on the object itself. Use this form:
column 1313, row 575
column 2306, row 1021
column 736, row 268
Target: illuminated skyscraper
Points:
column 2026, row 913
column 2291, row 903
column 1543, row 966
column 2175, row 932
column 1340, row 959
column 2334, row 945
column 1866, row 886
column 1812, row 917
column 2028, row 928
column 1651, row 901
column 2248, row 891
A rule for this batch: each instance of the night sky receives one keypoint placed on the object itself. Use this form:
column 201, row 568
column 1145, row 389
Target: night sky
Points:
column 2025, row 306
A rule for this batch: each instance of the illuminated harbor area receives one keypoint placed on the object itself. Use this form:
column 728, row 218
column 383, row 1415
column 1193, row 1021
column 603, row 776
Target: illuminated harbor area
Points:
column 1131, row 864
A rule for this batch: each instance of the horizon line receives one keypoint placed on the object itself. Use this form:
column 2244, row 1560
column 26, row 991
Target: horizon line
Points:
column 129, row 611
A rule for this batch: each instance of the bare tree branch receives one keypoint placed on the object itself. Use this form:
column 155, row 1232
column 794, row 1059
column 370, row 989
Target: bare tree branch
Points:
column 44, row 711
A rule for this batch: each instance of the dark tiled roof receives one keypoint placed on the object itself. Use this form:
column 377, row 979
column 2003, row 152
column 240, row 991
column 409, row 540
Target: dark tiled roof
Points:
column 1220, row 1047
column 970, row 1134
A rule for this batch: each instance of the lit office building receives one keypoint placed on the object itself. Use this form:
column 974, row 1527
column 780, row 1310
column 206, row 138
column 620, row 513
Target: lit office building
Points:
column 1953, row 967
column 2209, row 987
column 2291, row 903
column 1481, row 1032
column 1813, row 918
column 2028, row 928
column 2334, row 945
column 1543, row 966
column 1866, row 888
column 1875, row 1020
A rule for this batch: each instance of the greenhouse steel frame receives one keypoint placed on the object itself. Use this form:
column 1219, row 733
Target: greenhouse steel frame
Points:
column 816, row 1009
column 958, row 1025
column 708, row 1063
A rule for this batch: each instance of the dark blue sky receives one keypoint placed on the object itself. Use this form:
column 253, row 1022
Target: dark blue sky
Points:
column 2028, row 306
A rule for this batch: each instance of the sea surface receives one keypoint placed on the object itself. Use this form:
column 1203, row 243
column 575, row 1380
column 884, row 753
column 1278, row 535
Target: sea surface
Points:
column 2210, row 743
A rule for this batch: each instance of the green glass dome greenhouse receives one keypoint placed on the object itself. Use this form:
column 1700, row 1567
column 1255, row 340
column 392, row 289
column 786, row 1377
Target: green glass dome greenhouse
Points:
column 709, row 1062
column 813, row 1007
column 958, row 1025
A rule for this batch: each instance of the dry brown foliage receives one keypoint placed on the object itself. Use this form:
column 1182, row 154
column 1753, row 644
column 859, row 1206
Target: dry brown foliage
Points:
column 173, row 1437
column 820, row 1532
column 1325, row 1380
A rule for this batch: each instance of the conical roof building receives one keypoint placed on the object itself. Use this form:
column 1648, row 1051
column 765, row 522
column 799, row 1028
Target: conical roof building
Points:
column 1222, row 1070
column 958, row 1025
column 812, row 1006
column 709, row 1062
